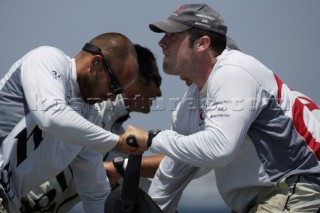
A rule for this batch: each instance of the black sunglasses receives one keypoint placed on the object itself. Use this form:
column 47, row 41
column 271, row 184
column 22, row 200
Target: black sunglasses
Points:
column 156, row 79
column 115, row 86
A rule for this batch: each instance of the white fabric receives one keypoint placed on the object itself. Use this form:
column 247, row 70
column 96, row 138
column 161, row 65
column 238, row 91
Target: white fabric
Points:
column 247, row 114
column 59, row 197
column 58, row 129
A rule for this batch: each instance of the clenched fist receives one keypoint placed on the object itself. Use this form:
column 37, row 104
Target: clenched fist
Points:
column 140, row 135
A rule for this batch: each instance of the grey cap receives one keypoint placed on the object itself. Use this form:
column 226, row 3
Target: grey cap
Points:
column 191, row 15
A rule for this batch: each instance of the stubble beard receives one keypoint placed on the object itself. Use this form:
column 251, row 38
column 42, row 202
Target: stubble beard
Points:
column 168, row 67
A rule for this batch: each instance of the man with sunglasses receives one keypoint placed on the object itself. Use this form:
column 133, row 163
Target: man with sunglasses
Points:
column 48, row 118
column 59, row 194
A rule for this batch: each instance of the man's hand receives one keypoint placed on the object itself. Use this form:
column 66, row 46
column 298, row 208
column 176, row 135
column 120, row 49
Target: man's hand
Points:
column 141, row 138
column 112, row 174
column 140, row 135
column 123, row 147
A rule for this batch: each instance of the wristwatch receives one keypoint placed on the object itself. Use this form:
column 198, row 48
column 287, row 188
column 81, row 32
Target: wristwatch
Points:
column 118, row 164
column 151, row 134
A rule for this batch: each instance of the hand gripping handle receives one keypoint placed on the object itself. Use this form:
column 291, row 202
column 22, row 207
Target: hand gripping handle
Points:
column 132, row 141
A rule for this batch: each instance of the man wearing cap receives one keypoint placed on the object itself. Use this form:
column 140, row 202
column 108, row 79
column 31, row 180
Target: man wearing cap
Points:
column 237, row 118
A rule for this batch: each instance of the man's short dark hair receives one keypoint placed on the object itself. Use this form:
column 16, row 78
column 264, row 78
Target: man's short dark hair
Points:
column 145, row 59
column 218, row 41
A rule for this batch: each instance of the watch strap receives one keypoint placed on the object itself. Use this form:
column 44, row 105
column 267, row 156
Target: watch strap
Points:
column 151, row 134
column 118, row 164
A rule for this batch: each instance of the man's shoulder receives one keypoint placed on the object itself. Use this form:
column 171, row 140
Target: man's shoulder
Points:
column 46, row 57
column 46, row 50
column 235, row 57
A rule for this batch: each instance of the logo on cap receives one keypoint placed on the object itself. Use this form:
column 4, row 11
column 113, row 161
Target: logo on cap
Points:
column 180, row 8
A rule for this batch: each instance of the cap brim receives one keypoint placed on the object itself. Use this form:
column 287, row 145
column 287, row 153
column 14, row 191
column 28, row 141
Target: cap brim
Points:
column 168, row 26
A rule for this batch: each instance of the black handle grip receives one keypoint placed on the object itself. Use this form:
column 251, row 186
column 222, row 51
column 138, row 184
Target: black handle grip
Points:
column 132, row 141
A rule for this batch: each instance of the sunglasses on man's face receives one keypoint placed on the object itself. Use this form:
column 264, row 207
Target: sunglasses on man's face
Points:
column 156, row 79
column 115, row 86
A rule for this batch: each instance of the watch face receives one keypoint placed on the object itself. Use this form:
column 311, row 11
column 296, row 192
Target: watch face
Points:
column 118, row 164
column 152, row 133
column 118, row 159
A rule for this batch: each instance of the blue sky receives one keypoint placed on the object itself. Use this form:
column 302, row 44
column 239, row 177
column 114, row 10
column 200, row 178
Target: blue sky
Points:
column 284, row 35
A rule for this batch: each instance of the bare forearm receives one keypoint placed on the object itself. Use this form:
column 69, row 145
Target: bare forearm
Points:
column 149, row 165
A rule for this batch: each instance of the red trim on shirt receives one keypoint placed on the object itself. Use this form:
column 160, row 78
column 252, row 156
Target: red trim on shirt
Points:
column 300, row 124
column 279, row 83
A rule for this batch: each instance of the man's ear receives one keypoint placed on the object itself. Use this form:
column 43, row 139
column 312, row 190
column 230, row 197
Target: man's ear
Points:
column 203, row 43
column 95, row 61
